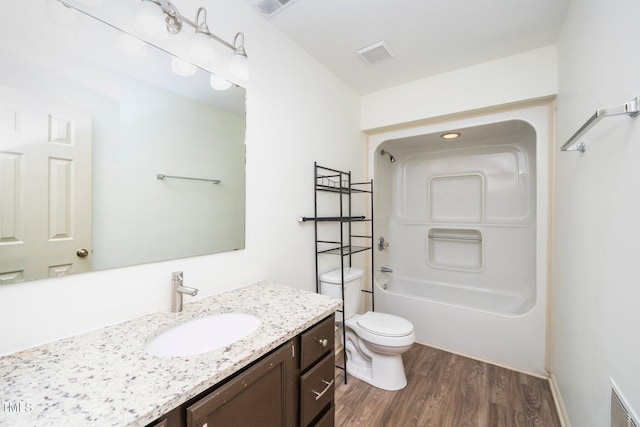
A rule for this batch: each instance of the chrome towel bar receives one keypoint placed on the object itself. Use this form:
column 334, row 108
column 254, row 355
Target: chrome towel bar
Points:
column 331, row 218
column 163, row 176
column 631, row 108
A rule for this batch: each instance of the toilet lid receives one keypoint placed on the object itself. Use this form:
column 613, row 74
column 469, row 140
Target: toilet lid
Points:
column 385, row 324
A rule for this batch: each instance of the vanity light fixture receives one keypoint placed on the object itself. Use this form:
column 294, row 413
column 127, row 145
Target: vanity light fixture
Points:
column 150, row 20
column 201, row 46
column 239, row 66
column 450, row 135
column 159, row 18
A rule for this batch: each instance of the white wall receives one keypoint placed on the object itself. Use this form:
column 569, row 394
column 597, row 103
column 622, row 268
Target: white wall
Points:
column 527, row 75
column 596, row 320
column 298, row 113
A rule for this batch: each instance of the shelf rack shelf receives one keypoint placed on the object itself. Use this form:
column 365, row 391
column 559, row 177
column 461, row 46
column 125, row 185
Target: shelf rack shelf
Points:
column 328, row 180
column 346, row 250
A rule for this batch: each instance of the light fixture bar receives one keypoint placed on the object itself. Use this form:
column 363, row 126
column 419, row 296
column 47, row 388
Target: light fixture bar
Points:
column 168, row 20
column 172, row 12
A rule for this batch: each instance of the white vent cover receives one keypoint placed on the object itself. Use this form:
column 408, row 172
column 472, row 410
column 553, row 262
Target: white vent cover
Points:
column 270, row 7
column 376, row 53
column 621, row 414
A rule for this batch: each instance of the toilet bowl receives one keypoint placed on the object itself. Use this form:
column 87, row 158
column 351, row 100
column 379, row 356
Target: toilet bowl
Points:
column 374, row 341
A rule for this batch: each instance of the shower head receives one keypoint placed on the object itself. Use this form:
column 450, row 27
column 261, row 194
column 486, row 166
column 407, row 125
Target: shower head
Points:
column 383, row 152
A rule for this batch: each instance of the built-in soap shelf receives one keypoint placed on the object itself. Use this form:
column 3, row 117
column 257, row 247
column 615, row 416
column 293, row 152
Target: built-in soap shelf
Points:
column 455, row 249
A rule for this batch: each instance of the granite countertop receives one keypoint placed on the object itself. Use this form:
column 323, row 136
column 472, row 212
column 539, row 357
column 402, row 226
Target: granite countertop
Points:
column 105, row 377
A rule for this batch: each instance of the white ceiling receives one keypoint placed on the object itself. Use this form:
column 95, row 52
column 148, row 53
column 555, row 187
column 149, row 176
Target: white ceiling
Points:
column 429, row 37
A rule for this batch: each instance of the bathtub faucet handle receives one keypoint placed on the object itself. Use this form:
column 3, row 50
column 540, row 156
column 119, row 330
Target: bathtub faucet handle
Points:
column 382, row 244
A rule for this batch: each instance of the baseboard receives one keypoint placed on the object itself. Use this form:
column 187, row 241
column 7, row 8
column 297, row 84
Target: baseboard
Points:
column 557, row 398
column 479, row 359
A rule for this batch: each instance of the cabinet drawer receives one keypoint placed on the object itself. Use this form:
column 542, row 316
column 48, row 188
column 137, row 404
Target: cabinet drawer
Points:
column 328, row 419
column 316, row 342
column 317, row 389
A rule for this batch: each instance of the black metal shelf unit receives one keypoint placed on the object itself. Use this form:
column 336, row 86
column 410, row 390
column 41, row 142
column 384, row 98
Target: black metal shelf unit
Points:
column 328, row 180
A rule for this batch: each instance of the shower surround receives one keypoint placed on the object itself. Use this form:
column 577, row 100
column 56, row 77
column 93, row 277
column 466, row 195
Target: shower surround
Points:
column 466, row 222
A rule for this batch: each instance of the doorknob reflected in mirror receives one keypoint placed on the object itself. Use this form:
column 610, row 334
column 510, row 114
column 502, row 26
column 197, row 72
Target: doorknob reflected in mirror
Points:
column 82, row 253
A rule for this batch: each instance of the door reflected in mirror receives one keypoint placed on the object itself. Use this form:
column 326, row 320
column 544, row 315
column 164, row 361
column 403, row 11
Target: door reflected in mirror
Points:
column 89, row 119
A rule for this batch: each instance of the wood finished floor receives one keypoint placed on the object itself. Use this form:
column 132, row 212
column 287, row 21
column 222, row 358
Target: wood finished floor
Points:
column 447, row 390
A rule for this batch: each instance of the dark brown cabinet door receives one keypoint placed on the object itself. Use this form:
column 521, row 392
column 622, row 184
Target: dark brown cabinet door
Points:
column 261, row 396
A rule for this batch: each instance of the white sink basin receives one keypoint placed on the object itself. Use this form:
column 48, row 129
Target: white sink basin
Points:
column 202, row 334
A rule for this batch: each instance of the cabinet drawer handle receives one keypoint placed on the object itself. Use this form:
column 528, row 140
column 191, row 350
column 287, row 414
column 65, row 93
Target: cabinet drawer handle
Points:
column 319, row 395
column 323, row 343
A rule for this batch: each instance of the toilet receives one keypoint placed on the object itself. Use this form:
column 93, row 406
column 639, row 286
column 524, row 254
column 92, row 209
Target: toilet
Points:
column 374, row 341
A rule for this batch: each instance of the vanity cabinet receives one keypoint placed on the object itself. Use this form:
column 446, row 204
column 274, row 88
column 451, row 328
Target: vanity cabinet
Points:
column 293, row 385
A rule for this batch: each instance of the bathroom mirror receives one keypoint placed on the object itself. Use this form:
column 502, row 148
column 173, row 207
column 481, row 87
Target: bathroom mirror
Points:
column 90, row 120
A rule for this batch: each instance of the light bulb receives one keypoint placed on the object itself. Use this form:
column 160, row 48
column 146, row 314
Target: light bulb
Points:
column 202, row 48
column 239, row 66
column 450, row 135
column 149, row 20
column 218, row 83
column 181, row 67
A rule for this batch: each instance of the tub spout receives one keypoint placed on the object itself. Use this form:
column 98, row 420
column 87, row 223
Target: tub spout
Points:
column 386, row 270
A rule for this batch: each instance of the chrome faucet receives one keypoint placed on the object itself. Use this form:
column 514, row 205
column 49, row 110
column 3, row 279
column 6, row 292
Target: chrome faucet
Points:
column 386, row 270
column 178, row 290
column 382, row 244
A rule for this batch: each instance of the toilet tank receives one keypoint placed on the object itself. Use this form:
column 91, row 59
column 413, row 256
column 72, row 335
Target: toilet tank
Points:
column 330, row 284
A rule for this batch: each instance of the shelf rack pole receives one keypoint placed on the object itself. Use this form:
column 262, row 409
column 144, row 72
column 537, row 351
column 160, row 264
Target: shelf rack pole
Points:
column 315, row 223
column 373, row 306
column 344, row 327
column 349, row 213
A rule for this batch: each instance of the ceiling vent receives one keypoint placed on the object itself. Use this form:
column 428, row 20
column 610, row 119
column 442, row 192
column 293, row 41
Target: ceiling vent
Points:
column 270, row 7
column 376, row 53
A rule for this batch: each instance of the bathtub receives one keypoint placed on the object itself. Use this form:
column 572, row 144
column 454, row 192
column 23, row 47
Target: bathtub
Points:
column 465, row 297
column 466, row 222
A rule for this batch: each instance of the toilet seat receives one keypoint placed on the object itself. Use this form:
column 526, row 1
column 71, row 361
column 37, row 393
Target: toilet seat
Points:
column 386, row 325
column 377, row 337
